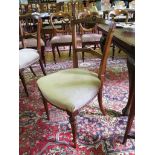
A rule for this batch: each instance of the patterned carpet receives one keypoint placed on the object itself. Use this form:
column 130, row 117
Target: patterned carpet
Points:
column 97, row 134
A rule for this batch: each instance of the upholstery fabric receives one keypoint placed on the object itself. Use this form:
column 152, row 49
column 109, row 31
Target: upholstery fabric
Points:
column 31, row 42
column 69, row 89
column 61, row 39
column 27, row 57
column 91, row 37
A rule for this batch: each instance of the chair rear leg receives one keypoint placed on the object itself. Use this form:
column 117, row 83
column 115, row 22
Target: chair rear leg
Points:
column 113, row 51
column 53, row 50
column 23, row 82
column 42, row 67
column 83, row 52
column 73, row 126
column 32, row 71
column 45, row 106
column 102, row 108
column 70, row 50
column 43, row 55
column 58, row 51
column 94, row 46
column 119, row 51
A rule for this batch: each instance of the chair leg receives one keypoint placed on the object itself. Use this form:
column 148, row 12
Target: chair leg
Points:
column 70, row 50
column 100, row 102
column 130, row 119
column 83, row 53
column 43, row 55
column 113, row 51
column 45, row 106
column 73, row 126
column 23, row 82
column 94, row 46
column 53, row 50
column 32, row 71
column 58, row 51
column 119, row 51
column 42, row 67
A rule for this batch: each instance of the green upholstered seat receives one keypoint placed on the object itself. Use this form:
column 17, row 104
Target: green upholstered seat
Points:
column 70, row 89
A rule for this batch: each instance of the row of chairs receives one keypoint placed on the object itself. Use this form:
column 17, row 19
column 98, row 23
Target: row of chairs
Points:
column 52, row 7
column 61, row 27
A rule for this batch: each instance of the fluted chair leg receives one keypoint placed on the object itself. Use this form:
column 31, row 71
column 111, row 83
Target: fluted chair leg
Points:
column 23, row 82
column 73, row 126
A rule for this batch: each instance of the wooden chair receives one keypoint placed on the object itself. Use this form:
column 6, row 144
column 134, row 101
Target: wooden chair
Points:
column 114, row 15
column 89, row 36
column 60, row 22
column 71, row 89
column 29, row 24
column 29, row 56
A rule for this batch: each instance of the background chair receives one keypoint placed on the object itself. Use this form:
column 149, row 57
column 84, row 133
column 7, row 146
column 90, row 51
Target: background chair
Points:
column 29, row 56
column 88, row 31
column 71, row 89
column 29, row 25
column 60, row 22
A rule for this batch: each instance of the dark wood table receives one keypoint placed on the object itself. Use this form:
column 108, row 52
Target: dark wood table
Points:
column 126, row 42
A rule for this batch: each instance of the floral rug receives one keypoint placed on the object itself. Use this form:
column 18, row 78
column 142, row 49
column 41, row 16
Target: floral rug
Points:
column 97, row 134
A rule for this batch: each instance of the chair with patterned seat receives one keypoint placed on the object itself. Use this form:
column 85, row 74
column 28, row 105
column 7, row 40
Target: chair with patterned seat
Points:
column 29, row 56
column 29, row 24
column 72, row 89
column 60, row 22
column 89, row 36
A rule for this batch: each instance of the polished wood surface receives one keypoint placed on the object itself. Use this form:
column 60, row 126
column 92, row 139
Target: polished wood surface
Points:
column 123, row 39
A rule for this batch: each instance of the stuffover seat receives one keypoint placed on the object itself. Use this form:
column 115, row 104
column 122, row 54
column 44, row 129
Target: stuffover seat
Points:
column 67, row 89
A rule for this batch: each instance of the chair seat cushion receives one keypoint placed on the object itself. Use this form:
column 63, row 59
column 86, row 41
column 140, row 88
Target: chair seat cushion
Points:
column 27, row 57
column 61, row 39
column 31, row 42
column 69, row 89
column 91, row 37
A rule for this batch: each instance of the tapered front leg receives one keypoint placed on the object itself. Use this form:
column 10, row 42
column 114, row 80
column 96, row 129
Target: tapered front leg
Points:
column 73, row 126
column 23, row 82
column 46, row 107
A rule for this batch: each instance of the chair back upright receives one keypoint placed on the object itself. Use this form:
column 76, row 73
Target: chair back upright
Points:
column 30, row 27
column 60, row 22
column 92, row 18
